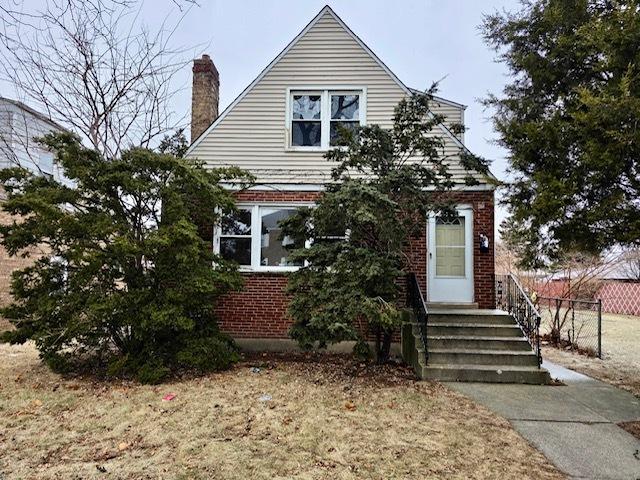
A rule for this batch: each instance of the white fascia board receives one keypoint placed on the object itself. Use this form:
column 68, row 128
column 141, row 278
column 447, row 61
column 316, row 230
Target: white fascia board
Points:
column 315, row 187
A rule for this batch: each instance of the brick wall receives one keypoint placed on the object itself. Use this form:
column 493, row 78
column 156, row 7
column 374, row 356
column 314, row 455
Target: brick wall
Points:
column 259, row 311
column 205, row 94
column 7, row 266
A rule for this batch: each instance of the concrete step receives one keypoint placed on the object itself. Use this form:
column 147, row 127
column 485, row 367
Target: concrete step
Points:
column 474, row 329
column 486, row 319
column 451, row 306
column 482, row 357
column 486, row 373
column 465, row 342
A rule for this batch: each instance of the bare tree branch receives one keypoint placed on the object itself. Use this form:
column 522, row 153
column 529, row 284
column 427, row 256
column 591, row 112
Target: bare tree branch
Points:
column 94, row 67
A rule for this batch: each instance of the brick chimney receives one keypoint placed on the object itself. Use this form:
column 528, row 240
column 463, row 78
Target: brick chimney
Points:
column 205, row 94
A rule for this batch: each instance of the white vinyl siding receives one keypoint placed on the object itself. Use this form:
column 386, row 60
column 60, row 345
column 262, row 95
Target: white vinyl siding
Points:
column 18, row 147
column 254, row 135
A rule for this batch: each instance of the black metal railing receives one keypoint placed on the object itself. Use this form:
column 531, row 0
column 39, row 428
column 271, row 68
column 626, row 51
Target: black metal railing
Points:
column 416, row 302
column 512, row 298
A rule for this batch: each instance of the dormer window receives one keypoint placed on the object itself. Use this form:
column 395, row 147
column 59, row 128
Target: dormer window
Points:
column 314, row 116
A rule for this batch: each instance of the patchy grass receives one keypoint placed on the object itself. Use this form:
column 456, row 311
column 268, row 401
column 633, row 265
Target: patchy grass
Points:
column 620, row 364
column 327, row 418
column 5, row 325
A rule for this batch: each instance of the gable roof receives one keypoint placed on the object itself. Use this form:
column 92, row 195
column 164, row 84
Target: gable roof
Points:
column 443, row 100
column 35, row 113
column 325, row 10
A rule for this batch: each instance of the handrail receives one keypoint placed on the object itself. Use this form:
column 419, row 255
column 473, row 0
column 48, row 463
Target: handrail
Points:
column 510, row 296
column 416, row 301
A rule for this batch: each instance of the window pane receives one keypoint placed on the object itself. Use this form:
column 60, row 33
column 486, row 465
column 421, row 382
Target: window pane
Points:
column 236, row 249
column 345, row 107
column 450, row 247
column 272, row 250
column 237, row 223
column 335, row 133
column 306, row 107
column 450, row 261
column 46, row 162
column 450, row 233
column 306, row 134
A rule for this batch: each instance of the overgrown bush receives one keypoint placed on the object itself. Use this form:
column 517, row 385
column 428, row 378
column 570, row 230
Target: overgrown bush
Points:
column 128, row 279
column 384, row 183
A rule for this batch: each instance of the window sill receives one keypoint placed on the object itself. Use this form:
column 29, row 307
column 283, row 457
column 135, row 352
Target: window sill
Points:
column 314, row 149
column 268, row 269
column 307, row 149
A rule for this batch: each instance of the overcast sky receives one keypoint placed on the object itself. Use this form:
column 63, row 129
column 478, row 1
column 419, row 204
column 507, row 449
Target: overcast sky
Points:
column 421, row 41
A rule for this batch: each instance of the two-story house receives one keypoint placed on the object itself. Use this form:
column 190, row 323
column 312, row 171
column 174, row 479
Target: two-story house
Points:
column 280, row 127
column 19, row 126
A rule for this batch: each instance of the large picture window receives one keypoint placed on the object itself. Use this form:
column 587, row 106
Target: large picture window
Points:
column 251, row 237
column 315, row 116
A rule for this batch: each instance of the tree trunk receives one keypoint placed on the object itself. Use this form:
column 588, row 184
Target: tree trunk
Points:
column 383, row 346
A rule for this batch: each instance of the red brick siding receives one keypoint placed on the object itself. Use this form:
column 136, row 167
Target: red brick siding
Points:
column 483, row 262
column 259, row 310
column 276, row 196
column 8, row 265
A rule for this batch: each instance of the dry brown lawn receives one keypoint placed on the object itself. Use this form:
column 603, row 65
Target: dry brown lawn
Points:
column 620, row 364
column 4, row 325
column 327, row 418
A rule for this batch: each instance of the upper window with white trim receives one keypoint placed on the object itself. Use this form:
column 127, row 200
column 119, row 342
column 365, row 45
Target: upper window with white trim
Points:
column 314, row 116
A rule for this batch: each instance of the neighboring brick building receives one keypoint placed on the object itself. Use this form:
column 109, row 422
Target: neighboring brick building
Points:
column 280, row 127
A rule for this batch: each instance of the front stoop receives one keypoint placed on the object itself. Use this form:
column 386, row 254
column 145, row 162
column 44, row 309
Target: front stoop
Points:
column 470, row 345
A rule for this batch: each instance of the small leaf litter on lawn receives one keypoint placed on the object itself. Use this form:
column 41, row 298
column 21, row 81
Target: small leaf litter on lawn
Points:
column 350, row 406
column 168, row 397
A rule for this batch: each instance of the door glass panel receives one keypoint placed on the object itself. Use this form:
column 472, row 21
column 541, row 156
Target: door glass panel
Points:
column 450, row 247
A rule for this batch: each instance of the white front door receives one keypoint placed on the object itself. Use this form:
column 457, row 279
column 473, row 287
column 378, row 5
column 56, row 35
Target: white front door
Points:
column 450, row 257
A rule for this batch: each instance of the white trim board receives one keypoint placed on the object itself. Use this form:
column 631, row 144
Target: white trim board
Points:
column 293, row 42
column 315, row 187
column 325, row 91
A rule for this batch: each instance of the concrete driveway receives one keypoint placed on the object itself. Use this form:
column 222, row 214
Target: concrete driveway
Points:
column 573, row 425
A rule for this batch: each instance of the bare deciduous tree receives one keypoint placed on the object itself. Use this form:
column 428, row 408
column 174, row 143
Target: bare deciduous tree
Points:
column 630, row 264
column 93, row 66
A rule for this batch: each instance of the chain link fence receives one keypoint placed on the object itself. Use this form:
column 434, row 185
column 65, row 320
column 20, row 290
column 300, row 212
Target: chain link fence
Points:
column 572, row 324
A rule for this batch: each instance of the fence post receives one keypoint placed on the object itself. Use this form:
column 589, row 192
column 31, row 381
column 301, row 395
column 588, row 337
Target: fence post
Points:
column 600, row 328
column 572, row 306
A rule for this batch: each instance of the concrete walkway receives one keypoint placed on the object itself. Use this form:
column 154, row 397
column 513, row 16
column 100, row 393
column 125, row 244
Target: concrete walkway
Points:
column 573, row 425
